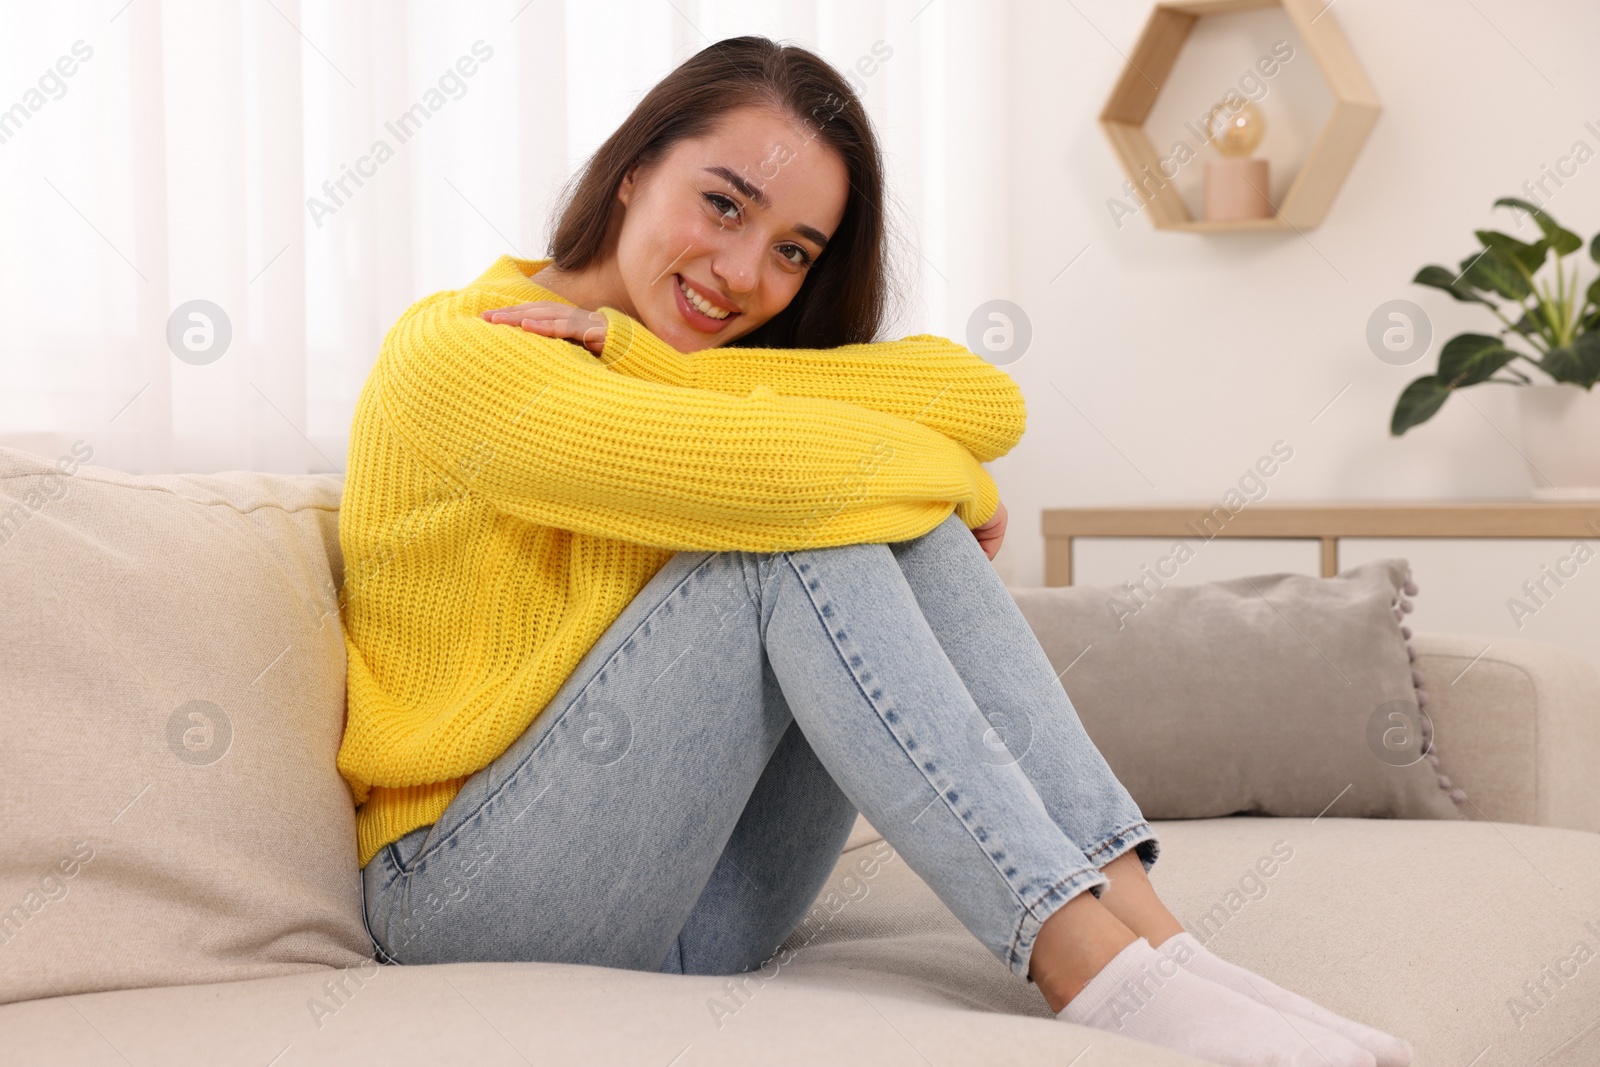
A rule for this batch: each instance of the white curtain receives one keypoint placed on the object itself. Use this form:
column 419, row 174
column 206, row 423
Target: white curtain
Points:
column 156, row 153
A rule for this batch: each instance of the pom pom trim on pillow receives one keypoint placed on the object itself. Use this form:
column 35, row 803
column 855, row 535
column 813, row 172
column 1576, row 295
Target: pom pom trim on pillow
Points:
column 1402, row 606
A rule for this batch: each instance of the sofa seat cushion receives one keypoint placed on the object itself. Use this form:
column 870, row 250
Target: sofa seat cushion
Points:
column 1424, row 928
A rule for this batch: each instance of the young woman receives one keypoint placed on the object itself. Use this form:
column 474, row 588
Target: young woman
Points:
column 658, row 570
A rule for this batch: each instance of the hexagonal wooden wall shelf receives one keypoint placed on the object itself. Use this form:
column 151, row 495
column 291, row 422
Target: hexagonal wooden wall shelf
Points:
column 1355, row 109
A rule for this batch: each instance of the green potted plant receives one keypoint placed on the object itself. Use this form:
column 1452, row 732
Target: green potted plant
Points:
column 1543, row 307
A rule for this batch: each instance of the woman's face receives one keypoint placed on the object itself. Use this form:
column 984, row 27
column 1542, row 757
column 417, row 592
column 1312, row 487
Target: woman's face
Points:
column 737, row 216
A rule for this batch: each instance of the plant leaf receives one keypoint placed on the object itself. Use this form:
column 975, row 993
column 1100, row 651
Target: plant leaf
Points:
column 1469, row 358
column 1562, row 240
column 1562, row 364
column 1565, row 242
column 1530, row 256
column 1417, row 404
column 1594, row 248
column 1440, row 278
column 1587, row 347
column 1578, row 362
column 1493, row 270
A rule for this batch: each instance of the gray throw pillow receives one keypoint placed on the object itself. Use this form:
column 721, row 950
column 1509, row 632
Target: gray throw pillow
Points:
column 1276, row 694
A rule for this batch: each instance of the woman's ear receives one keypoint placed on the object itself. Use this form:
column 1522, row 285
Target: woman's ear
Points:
column 626, row 187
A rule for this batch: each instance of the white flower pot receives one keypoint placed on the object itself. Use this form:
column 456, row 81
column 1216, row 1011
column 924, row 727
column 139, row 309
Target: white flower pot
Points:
column 1561, row 440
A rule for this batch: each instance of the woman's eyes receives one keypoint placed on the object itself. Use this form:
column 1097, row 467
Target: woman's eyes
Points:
column 718, row 200
column 728, row 208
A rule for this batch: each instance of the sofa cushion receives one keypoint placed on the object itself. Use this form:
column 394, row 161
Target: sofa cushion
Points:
column 172, row 694
column 1278, row 694
column 1427, row 929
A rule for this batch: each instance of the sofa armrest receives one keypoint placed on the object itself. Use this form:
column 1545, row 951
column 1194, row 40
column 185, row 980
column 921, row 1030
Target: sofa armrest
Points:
column 1516, row 727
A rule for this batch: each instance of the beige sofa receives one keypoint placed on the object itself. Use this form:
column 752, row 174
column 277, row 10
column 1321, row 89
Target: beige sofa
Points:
column 1432, row 930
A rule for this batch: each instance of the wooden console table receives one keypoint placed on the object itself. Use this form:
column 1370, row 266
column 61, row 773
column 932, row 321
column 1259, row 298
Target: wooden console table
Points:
column 1322, row 522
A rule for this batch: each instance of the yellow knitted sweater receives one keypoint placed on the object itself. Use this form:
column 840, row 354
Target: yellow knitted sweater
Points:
column 508, row 494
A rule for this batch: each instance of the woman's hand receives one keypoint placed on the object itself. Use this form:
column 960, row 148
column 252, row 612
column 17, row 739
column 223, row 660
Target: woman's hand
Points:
column 551, row 318
column 991, row 533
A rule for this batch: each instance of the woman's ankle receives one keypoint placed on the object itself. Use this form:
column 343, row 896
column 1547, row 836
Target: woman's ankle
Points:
column 1158, row 939
column 1074, row 944
column 1131, row 898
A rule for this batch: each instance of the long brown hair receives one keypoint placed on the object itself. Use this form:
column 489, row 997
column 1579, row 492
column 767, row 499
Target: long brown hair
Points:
column 844, row 298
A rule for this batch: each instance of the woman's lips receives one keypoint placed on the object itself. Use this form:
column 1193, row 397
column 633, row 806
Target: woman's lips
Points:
column 693, row 315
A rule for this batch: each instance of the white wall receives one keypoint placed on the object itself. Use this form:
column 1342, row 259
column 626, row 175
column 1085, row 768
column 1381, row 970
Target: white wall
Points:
column 1184, row 357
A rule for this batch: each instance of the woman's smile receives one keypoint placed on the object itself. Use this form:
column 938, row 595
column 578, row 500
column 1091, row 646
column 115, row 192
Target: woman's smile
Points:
column 703, row 312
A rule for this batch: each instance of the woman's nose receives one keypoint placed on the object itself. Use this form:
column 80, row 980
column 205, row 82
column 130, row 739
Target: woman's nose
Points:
column 739, row 267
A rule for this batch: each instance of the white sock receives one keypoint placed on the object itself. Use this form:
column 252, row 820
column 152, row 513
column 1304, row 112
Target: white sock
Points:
column 1389, row 1050
column 1146, row 994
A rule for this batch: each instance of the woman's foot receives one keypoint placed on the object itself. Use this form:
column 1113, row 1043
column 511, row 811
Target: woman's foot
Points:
column 1389, row 1050
column 1145, row 994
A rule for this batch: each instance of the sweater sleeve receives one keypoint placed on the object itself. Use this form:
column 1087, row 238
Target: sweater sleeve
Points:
column 925, row 378
column 553, row 436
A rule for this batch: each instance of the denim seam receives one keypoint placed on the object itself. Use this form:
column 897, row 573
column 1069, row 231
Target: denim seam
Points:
column 418, row 861
column 937, row 792
column 1054, row 890
column 1111, row 841
column 396, row 868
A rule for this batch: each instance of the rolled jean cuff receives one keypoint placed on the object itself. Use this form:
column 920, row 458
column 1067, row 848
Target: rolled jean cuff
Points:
column 1130, row 836
column 1033, row 917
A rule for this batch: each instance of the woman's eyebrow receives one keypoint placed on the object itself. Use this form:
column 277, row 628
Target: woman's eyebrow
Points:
column 738, row 181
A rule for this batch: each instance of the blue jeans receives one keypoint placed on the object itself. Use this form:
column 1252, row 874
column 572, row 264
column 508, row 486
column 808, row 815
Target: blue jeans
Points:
column 679, row 803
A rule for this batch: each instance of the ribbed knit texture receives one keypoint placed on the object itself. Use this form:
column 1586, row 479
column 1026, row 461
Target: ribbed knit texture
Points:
column 507, row 495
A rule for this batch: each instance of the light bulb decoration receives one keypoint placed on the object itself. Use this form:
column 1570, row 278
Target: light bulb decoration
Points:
column 1235, row 132
column 1236, row 185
